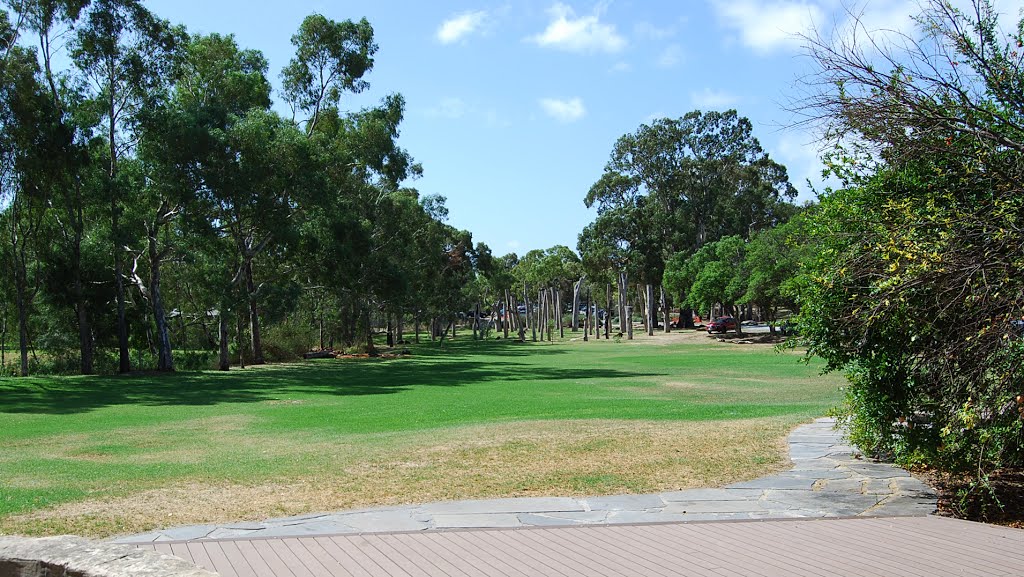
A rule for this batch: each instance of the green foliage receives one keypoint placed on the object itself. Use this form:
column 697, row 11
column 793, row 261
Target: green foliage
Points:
column 330, row 58
column 675, row 186
column 154, row 193
column 287, row 341
column 915, row 287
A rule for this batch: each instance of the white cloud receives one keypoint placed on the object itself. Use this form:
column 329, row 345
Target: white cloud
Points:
column 582, row 34
column 652, row 31
column 620, row 67
column 671, row 56
column 709, row 99
column 450, row 107
column 769, row 25
column 460, row 26
column 514, row 244
column 564, row 111
column 454, row 108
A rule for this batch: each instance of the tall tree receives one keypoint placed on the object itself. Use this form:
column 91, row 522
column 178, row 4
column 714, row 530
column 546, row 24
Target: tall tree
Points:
column 74, row 195
column 30, row 155
column 678, row 184
column 331, row 58
column 124, row 51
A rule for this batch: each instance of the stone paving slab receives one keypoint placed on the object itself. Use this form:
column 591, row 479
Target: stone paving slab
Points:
column 777, row 482
column 827, row 480
column 713, row 495
column 744, row 506
column 477, row 520
column 366, row 521
column 513, row 505
column 625, row 503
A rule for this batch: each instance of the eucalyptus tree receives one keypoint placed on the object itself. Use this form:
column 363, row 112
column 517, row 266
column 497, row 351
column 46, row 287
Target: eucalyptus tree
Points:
column 677, row 184
column 124, row 51
column 192, row 167
column 330, row 59
column 31, row 146
column 71, row 191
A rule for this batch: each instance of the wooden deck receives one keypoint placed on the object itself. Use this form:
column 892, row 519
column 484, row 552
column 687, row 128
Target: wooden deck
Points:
column 909, row 546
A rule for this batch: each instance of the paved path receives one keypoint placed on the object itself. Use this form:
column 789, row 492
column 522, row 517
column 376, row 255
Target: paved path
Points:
column 826, row 481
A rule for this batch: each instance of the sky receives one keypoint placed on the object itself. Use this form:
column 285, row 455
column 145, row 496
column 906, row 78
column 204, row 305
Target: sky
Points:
column 513, row 106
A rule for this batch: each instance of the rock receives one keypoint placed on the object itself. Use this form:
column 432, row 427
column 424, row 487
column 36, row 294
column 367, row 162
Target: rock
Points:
column 74, row 556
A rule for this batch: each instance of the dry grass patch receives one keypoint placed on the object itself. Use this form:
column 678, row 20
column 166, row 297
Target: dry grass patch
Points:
column 533, row 458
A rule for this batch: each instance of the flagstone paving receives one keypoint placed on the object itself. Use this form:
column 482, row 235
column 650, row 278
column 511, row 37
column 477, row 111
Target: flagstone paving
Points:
column 827, row 480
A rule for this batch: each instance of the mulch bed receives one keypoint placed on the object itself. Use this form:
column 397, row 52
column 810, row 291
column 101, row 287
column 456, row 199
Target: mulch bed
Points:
column 1002, row 505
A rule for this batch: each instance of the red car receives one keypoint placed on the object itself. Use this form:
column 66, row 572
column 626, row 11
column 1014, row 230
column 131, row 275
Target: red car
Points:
column 722, row 324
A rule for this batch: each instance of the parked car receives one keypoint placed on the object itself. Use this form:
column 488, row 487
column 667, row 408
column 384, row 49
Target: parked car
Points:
column 722, row 324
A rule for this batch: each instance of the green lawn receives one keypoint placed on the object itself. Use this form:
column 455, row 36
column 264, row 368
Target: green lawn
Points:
column 473, row 419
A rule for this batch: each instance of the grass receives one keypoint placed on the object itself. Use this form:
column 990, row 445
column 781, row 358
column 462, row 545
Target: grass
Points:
column 107, row 455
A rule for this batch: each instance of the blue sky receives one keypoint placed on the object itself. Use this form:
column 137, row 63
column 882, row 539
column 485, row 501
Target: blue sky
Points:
column 513, row 106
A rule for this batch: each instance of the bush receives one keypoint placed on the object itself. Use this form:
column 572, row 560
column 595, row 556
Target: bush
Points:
column 286, row 341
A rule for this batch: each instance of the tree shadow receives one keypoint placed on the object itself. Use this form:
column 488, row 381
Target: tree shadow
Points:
column 459, row 365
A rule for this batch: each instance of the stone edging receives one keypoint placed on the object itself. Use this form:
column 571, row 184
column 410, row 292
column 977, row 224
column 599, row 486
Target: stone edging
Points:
column 69, row 556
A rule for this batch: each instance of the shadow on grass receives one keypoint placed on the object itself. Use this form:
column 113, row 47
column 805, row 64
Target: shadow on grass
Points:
column 490, row 347
column 455, row 365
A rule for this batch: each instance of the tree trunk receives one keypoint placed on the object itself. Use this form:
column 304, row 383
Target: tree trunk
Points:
column 530, row 325
column 651, row 313
column 222, row 323
column 623, row 296
column 641, row 301
column 629, row 325
column 586, row 318
column 686, row 318
column 548, row 314
column 608, row 314
column 22, row 320
column 558, row 313
column 370, row 349
column 17, row 240
column 577, row 288
column 3, row 343
column 85, row 344
column 124, row 359
column 254, row 314
column 165, row 360
column 506, row 322
column 240, row 339
column 665, row 311
column 320, row 324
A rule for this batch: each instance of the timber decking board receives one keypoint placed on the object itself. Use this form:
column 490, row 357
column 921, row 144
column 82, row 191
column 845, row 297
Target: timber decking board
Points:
column 868, row 547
